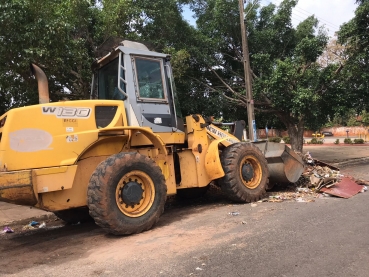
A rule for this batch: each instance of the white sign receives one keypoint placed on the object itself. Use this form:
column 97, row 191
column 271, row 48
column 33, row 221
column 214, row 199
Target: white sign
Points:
column 30, row 140
column 72, row 138
column 67, row 112
column 220, row 134
column 157, row 120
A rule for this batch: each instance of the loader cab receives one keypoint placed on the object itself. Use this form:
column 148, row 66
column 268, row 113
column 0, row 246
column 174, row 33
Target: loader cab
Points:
column 144, row 81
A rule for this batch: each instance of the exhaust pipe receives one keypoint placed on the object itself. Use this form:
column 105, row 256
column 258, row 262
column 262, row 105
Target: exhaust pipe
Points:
column 43, row 86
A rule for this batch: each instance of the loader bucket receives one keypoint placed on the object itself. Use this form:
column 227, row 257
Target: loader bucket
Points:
column 284, row 165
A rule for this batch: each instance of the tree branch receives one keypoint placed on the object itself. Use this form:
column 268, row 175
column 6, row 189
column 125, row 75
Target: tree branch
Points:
column 339, row 69
column 266, row 111
column 254, row 75
column 305, row 67
column 75, row 74
column 221, row 79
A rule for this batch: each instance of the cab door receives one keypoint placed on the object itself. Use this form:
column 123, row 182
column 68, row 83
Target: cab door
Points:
column 153, row 94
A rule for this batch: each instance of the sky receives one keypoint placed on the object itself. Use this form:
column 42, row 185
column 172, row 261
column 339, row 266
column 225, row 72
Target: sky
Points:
column 331, row 13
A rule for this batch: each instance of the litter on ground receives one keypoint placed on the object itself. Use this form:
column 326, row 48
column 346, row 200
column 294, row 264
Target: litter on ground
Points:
column 319, row 179
column 234, row 213
column 8, row 230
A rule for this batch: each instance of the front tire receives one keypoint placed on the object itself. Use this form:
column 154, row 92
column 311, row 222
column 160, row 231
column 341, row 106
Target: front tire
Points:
column 246, row 172
column 127, row 193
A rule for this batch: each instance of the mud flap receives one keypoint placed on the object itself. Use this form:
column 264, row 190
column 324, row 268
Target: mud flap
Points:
column 17, row 188
column 213, row 166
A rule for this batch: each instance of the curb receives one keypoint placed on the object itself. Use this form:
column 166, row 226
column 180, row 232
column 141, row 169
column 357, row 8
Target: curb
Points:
column 25, row 221
column 351, row 162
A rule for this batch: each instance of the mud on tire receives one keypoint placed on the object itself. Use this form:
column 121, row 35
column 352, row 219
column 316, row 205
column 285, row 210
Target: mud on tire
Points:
column 126, row 193
column 246, row 172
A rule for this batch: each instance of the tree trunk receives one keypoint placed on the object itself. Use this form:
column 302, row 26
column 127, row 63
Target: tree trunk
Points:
column 296, row 134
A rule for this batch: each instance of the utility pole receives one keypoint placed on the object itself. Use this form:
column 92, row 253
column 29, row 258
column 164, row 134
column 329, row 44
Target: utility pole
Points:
column 248, row 82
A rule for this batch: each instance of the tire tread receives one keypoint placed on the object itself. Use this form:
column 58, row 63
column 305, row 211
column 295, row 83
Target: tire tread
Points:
column 98, row 187
column 230, row 183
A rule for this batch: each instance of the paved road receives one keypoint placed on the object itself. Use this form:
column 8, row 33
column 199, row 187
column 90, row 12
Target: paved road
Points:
column 324, row 238
column 327, row 237
column 359, row 171
column 337, row 154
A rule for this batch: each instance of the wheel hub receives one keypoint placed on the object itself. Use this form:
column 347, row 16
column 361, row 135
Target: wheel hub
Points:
column 132, row 193
column 247, row 172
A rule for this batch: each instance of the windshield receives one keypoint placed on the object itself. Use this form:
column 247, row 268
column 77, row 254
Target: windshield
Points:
column 108, row 82
column 149, row 78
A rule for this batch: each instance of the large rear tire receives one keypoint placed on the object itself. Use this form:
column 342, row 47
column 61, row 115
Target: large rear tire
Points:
column 127, row 194
column 246, row 172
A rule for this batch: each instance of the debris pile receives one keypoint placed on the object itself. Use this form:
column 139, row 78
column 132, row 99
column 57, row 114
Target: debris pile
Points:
column 318, row 180
column 319, row 174
column 292, row 192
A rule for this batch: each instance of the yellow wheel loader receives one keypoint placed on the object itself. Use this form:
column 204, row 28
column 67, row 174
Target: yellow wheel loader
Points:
column 117, row 156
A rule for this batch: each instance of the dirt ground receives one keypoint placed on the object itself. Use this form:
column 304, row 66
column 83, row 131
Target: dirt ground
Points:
column 186, row 229
column 183, row 243
column 59, row 245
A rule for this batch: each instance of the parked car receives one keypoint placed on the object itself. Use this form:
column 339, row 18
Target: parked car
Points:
column 326, row 133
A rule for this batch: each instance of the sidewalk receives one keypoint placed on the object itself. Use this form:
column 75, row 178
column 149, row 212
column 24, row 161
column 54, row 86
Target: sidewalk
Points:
column 331, row 153
column 10, row 213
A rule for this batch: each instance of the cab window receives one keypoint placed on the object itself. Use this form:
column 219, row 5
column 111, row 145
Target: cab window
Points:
column 108, row 82
column 149, row 78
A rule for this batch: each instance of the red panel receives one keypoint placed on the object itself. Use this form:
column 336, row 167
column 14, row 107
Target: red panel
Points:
column 346, row 188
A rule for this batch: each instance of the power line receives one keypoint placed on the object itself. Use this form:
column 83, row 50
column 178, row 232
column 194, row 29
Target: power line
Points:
column 329, row 28
column 304, row 12
column 322, row 19
column 324, row 23
column 255, row 2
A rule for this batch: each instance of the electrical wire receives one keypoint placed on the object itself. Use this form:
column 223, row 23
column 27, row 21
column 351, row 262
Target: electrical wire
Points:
column 301, row 12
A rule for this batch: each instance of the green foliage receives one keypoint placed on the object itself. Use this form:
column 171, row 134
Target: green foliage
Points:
column 354, row 35
column 63, row 37
column 353, row 122
column 328, row 124
column 54, row 34
column 315, row 141
column 358, row 141
column 347, row 141
column 349, row 117
column 290, row 88
column 288, row 84
column 337, row 141
column 275, row 139
column 287, row 140
column 365, row 117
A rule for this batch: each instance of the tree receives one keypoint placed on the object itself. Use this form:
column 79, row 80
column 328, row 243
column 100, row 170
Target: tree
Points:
column 354, row 35
column 56, row 35
column 288, row 83
column 334, row 53
column 63, row 37
column 365, row 118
